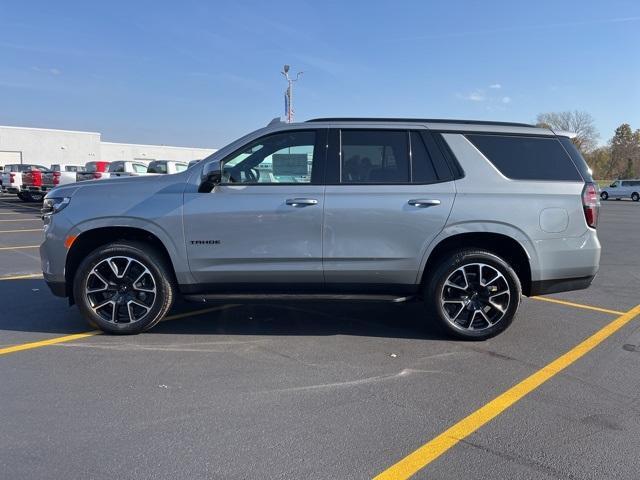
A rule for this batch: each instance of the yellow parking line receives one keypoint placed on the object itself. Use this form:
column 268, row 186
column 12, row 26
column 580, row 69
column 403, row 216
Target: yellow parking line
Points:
column 45, row 343
column 20, row 247
column 433, row 449
column 92, row 333
column 578, row 305
column 24, row 230
column 18, row 277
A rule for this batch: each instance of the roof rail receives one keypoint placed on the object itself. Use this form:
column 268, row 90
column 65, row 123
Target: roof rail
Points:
column 421, row 120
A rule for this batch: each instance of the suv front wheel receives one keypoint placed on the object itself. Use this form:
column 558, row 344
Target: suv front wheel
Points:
column 124, row 287
column 473, row 294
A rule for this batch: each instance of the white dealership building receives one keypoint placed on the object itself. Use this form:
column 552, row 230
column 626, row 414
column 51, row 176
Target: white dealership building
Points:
column 43, row 146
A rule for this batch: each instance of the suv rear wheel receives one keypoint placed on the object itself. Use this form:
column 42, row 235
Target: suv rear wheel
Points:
column 635, row 197
column 124, row 287
column 473, row 294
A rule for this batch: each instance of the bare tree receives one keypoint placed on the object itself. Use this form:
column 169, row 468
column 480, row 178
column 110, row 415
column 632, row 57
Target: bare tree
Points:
column 580, row 123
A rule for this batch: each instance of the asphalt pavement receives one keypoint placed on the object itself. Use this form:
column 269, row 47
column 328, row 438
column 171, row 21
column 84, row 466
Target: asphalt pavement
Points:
column 317, row 390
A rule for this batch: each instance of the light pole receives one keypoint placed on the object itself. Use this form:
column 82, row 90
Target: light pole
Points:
column 288, row 95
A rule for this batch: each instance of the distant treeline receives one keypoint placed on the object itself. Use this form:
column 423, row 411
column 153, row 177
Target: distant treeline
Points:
column 619, row 158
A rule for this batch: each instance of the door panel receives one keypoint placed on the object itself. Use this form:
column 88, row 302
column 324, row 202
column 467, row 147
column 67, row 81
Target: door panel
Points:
column 373, row 235
column 249, row 234
column 263, row 225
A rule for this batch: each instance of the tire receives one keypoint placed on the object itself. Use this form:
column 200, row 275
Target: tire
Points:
column 635, row 197
column 604, row 196
column 479, row 316
column 131, row 303
column 23, row 196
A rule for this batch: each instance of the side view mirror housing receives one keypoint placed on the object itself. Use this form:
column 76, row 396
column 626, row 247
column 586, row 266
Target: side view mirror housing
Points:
column 211, row 176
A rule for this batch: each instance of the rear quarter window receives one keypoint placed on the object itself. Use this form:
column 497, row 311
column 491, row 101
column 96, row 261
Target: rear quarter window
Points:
column 526, row 157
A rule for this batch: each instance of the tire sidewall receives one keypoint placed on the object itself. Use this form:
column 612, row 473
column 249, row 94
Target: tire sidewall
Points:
column 452, row 263
column 151, row 260
column 635, row 197
column 604, row 196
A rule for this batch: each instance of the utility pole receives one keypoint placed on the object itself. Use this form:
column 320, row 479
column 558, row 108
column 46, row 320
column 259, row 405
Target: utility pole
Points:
column 288, row 95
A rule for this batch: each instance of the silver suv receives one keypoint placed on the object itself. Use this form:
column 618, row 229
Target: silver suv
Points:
column 466, row 216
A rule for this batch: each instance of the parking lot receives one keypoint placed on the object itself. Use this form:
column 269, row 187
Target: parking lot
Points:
column 321, row 390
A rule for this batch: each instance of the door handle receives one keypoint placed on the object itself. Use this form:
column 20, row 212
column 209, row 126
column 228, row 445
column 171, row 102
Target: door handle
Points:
column 301, row 202
column 422, row 203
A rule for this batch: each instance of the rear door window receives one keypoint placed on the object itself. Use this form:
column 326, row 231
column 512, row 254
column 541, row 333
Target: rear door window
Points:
column 374, row 156
column 527, row 157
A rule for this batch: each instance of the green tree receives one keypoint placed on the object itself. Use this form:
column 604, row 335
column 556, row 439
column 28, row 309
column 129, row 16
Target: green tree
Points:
column 598, row 160
column 625, row 153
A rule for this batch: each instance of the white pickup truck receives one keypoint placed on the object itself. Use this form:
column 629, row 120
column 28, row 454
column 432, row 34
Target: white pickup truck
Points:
column 163, row 167
column 125, row 168
column 60, row 174
column 12, row 176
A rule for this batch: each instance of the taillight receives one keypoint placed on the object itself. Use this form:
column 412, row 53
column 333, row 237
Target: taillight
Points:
column 56, row 178
column 37, row 178
column 97, row 175
column 591, row 204
column 12, row 178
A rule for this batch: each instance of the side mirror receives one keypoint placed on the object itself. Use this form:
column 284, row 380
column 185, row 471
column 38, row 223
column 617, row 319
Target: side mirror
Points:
column 211, row 176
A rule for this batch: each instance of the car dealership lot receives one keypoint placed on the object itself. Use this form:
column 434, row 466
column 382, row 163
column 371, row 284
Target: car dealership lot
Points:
column 315, row 390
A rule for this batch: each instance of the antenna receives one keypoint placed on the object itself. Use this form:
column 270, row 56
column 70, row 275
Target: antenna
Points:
column 288, row 95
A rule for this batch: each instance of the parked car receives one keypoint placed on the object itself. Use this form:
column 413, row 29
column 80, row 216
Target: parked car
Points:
column 622, row 189
column 12, row 176
column 166, row 167
column 93, row 171
column 465, row 216
column 33, row 188
column 125, row 168
column 60, row 174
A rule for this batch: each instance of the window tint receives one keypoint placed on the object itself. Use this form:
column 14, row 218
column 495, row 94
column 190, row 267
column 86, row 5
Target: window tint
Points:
column 577, row 158
column 527, row 158
column 116, row 167
column 72, row 168
column 139, row 168
column 421, row 164
column 280, row 158
column 91, row 167
column 374, row 156
column 157, row 167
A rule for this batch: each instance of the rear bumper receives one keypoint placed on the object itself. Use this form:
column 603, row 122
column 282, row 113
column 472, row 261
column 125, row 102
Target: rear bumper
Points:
column 544, row 287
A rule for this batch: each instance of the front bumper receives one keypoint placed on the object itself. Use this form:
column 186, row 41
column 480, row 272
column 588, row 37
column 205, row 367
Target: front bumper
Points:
column 58, row 288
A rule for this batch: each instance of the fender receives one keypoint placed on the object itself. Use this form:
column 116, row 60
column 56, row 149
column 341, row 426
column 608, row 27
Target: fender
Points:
column 176, row 247
column 479, row 227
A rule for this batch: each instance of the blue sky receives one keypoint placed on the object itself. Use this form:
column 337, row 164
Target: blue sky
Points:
column 203, row 73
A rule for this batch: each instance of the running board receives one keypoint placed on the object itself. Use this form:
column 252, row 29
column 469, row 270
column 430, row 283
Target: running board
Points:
column 287, row 297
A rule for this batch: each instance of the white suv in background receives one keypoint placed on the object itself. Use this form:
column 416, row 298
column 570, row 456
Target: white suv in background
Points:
column 622, row 189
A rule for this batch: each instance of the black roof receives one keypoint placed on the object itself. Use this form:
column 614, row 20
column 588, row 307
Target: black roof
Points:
column 420, row 120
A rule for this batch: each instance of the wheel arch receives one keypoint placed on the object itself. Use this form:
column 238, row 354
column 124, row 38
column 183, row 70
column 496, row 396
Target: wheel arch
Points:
column 500, row 243
column 91, row 239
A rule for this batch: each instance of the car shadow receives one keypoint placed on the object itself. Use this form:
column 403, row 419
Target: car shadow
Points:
column 28, row 306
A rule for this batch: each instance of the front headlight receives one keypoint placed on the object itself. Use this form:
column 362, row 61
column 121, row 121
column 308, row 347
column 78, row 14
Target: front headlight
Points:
column 54, row 205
